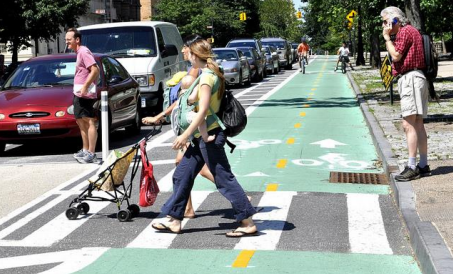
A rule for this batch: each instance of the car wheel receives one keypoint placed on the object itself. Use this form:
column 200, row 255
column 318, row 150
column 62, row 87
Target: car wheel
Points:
column 2, row 147
column 136, row 127
column 249, row 80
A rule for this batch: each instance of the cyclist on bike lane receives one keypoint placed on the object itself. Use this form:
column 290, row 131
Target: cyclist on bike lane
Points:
column 343, row 52
column 303, row 51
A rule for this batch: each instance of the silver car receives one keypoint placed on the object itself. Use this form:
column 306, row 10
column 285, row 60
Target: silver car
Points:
column 235, row 66
column 272, row 64
column 284, row 50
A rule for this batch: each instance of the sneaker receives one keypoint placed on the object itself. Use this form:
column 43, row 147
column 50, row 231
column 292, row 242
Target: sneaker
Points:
column 335, row 69
column 300, row 70
column 426, row 171
column 408, row 174
column 89, row 158
column 79, row 154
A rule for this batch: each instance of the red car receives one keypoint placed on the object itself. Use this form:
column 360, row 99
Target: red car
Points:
column 36, row 101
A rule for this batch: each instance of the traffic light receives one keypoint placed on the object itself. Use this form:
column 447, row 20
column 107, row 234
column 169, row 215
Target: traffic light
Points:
column 299, row 14
column 242, row 16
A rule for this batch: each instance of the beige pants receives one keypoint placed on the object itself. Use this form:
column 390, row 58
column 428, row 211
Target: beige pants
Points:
column 413, row 90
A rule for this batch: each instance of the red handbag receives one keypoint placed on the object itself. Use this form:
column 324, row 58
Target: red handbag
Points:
column 148, row 185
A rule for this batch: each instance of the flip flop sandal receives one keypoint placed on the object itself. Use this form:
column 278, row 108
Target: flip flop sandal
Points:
column 239, row 234
column 163, row 228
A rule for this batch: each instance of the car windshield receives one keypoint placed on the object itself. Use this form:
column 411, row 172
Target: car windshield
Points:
column 277, row 44
column 43, row 73
column 267, row 50
column 247, row 52
column 238, row 44
column 121, row 41
column 229, row 55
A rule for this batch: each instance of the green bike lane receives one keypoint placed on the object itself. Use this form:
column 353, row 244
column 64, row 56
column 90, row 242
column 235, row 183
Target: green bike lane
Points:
column 310, row 126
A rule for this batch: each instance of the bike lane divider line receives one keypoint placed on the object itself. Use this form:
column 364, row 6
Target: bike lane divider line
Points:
column 272, row 187
column 243, row 259
column 290, row 141
column 282, row 163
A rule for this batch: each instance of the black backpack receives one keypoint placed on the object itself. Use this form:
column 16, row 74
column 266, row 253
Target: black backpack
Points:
column 431, row 62
column 232, row 114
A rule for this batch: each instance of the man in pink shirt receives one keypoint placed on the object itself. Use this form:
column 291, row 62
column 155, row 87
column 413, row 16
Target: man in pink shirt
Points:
column 85, row 95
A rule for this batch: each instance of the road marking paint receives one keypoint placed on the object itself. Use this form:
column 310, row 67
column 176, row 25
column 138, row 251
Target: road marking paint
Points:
column 269, row 222
column 302, row 114
column 297, row 125
column 313, row 89
column 163, row 162
column 366, row 226
column 290, row 141
column 150, row 238
column 166, row 183
column 243, row 259
column 272, row 187
column 311, row 93
column 31, row 216
column 73, row 260
column 306, row 106
column 309, row 99
column 282, row 163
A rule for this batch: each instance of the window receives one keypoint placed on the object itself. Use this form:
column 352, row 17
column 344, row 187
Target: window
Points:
column 160, row 40
column 121, row 41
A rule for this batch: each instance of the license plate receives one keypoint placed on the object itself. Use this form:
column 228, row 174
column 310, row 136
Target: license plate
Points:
column 29, row 129
column 143, row 102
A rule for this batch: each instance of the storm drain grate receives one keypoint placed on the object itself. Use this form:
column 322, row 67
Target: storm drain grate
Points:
column 358, row 178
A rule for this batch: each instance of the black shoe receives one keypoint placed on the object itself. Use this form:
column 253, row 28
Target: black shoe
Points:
column 426, row 171
column 408, row 174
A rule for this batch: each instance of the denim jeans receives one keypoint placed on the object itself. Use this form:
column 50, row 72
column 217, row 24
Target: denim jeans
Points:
column 213, row 154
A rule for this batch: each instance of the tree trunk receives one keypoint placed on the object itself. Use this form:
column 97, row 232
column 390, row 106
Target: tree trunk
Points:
column 360, row 59
column 14, row 51
column 375, row 56
column 413, row 13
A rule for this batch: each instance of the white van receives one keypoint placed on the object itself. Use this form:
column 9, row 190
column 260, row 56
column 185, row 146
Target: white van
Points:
column 149, row 50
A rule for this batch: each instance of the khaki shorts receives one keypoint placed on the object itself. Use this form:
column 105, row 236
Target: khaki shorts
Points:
column 413, row 90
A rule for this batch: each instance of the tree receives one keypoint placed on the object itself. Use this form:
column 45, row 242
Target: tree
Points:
column 26, row 20
column 193, row 16
column 279, row 22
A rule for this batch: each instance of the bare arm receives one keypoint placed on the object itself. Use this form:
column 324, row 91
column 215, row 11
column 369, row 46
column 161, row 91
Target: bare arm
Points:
column 396, row 56
column 94, row 74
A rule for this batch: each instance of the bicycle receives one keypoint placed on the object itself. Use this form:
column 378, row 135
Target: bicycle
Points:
column 343, row 64
column 302, row 63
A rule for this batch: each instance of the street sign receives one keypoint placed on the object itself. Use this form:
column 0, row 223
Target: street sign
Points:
column 351, row 15
column 386, row 73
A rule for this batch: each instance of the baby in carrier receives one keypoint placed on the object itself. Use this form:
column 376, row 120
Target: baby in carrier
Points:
column 186, row 82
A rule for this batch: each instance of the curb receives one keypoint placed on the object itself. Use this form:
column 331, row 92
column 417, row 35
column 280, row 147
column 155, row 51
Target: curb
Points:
column 430, row 249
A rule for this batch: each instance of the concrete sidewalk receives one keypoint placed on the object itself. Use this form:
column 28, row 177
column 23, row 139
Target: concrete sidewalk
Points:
column 427, row 203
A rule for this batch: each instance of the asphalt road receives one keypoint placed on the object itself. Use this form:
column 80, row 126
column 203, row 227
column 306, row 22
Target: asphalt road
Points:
column 308, row 224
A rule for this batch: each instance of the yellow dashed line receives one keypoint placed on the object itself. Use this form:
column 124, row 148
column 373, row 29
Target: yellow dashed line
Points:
column 243, row 258
column 282, row 163
column 297, row 125
column 290, row 141
column 272, row 187
column 302, row 114
column 311, row 93
column 306, row 106
column 313, row 89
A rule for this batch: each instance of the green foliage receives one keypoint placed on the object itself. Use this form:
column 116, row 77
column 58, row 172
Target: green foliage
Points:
column 25, row 20
column 279, row 22
column 193, row 16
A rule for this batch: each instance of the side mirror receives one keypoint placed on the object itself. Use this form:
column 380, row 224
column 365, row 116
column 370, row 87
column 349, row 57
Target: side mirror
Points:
column 169, row 50
column 115, row 80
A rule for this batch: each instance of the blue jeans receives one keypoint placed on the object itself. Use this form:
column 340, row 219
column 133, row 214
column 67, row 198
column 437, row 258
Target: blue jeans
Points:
column 213, row 154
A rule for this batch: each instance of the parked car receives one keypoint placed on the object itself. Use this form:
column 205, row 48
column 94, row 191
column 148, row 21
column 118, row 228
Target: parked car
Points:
column 284, row 50
column 296, row 56
column 149, row 50
column 257, row 66
column 272, row 64
column 248, row 42
column 37, row 99
column 235, row 65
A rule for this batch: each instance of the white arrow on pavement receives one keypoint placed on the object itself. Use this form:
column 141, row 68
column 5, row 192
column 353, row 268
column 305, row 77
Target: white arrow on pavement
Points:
column 328, row 143
column 256, row 174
